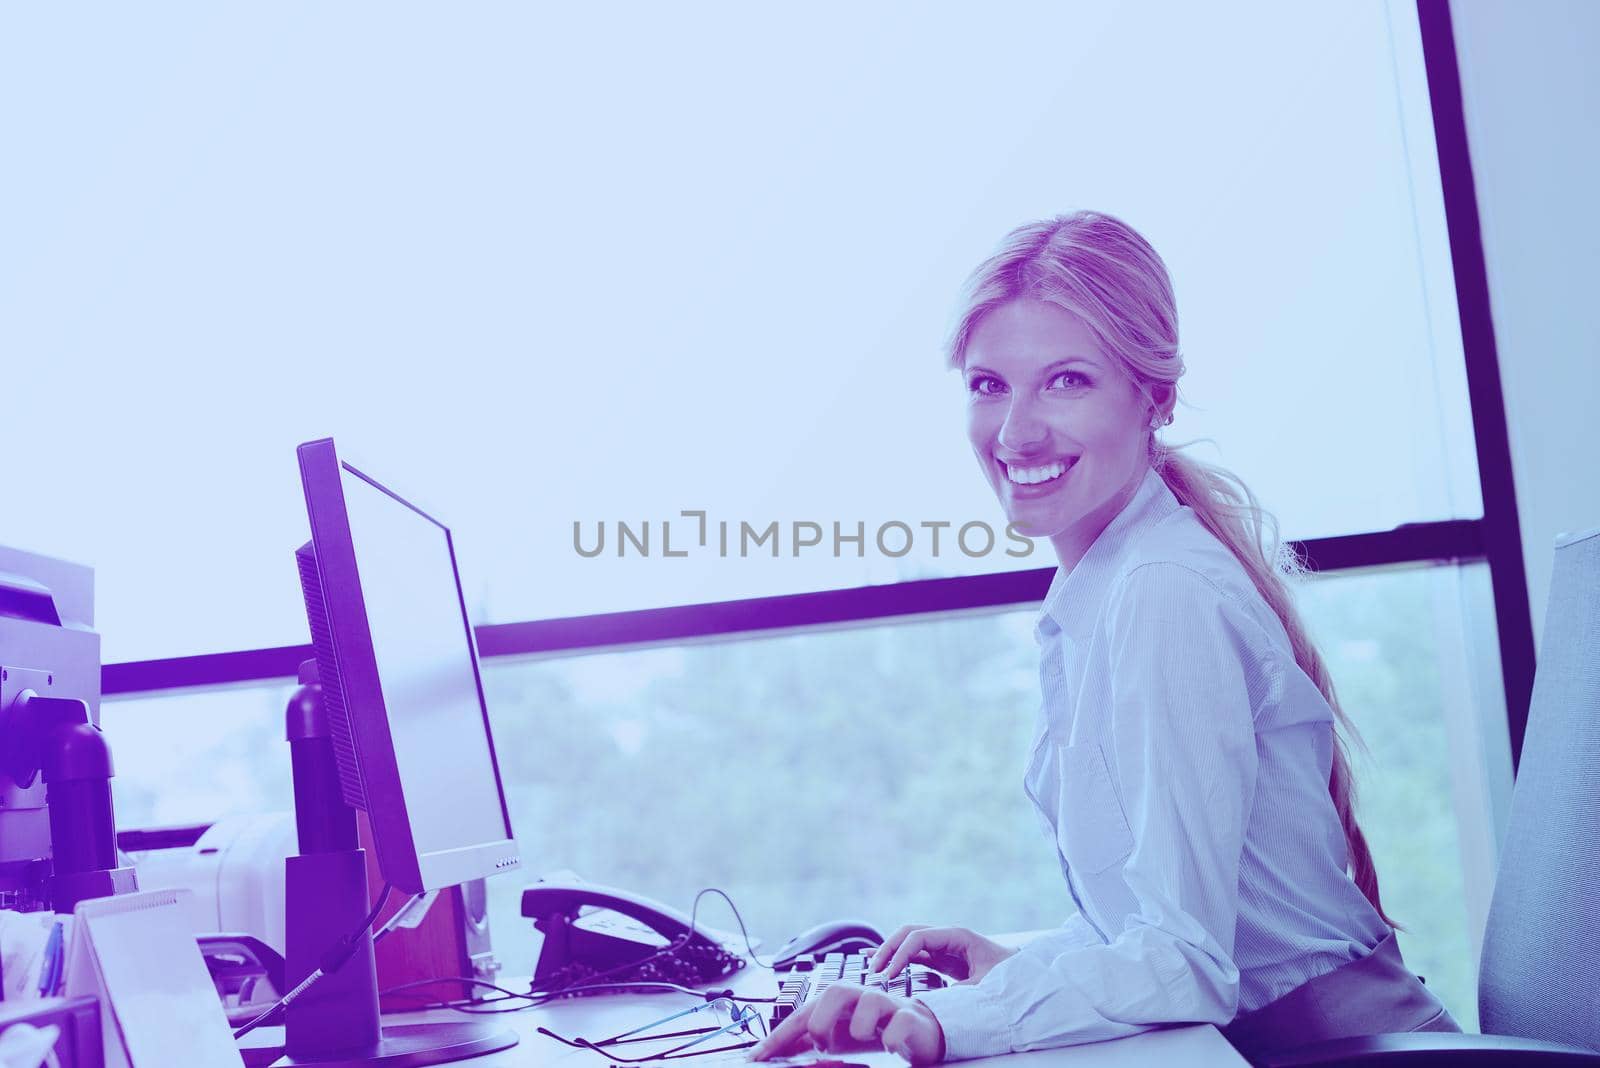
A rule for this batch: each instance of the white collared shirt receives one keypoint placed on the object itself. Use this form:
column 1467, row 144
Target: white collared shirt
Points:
column 1180, row 769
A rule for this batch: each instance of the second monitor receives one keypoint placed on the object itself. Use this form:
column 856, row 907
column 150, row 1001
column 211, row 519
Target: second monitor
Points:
column 399, row 729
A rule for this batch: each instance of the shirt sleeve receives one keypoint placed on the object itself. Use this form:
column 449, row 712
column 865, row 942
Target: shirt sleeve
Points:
column 1073, row 933
column 1150, row 821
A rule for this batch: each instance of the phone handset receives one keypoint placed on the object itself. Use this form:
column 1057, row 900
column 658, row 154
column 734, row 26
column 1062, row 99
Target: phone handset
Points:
column 567, row 898
column 581, row 945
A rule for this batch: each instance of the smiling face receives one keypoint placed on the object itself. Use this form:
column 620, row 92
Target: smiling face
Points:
column 1060, row 431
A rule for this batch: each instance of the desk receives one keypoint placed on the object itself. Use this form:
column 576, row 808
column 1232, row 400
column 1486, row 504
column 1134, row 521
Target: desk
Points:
column 1201, row 1046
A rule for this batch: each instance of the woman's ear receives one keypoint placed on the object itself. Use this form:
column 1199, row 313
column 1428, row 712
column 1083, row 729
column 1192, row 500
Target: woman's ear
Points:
column 1161, row 398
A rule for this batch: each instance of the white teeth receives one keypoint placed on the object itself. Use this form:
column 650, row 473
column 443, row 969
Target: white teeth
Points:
column 1031, row 476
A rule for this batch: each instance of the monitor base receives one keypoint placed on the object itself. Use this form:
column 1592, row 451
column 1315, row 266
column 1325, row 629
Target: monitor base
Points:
column 415, row 1045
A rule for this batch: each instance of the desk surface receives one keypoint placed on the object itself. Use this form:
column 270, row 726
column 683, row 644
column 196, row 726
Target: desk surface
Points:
column 1202, row 1046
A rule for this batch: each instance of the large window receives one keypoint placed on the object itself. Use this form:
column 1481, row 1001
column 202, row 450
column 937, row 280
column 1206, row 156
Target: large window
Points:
column 545, row 265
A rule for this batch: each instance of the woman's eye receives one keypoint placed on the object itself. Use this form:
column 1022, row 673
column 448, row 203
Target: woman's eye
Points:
column 984, row 384
column 1081, row 380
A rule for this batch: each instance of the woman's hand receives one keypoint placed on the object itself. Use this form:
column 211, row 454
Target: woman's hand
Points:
column 848, row 1017
column 955, row 951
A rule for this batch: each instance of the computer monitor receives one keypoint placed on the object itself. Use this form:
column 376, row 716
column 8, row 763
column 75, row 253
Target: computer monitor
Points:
column 399, row 673
column 400, row 714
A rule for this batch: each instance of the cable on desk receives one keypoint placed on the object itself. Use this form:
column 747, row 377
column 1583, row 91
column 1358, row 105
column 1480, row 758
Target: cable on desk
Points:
column 670, row 1055
column 473, row 1006
column 661, row 984
column 742, row 931
column 330, row 962
column 402, row 989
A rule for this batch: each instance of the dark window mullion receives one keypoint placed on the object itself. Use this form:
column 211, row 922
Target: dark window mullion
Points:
column 1410, row 544
column 1501, row 531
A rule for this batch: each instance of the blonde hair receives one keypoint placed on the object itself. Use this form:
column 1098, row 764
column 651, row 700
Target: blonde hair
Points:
column 1100, row 269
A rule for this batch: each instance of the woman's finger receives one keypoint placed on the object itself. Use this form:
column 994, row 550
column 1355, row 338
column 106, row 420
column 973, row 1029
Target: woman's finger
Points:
column 790, row 1037
column 917, row 942
column 892, row 943
column 869, row 1017
column 833, row 1011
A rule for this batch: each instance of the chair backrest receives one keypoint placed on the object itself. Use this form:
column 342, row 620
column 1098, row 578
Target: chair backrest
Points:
column 1540, row 972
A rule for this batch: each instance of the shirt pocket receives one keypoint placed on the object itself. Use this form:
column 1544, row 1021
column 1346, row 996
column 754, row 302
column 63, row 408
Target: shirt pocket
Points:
column 1091, row 830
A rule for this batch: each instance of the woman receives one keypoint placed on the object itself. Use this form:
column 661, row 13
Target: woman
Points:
column 1186, row 764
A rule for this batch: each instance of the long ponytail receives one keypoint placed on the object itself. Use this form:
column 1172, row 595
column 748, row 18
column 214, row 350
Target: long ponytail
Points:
column 1227, row 508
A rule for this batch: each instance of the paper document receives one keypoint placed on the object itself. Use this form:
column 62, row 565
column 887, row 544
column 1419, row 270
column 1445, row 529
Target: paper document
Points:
column 158, row 1006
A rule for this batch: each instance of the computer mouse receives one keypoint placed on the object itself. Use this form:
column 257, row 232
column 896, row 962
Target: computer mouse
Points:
column 841, row 936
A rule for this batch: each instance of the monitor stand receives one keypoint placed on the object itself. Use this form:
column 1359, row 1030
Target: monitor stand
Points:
column 335, row 1024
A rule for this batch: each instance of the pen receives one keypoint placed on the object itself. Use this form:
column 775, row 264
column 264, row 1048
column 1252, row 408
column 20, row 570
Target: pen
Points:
column 50, row 968
column 58, row 981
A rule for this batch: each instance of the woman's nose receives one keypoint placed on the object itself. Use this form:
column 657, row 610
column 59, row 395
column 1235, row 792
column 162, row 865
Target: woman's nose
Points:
column 1023, row 430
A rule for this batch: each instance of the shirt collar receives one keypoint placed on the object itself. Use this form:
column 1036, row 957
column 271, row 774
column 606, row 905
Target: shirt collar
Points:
column 1073, row 600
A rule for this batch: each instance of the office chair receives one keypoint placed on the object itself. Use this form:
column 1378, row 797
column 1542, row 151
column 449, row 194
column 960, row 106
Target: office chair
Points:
column 1539, row 978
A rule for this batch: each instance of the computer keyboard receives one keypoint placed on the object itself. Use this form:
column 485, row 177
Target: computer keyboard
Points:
column 808, row 980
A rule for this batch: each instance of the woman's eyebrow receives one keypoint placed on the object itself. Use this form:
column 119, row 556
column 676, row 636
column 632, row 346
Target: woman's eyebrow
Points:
column 1048, row 368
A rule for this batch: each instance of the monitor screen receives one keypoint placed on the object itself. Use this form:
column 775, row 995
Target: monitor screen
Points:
column 426, row 670
column 400, row 682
